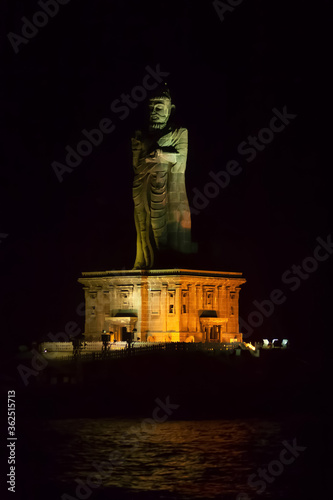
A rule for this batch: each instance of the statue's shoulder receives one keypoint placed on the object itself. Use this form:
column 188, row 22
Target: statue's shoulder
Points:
column 179, row 132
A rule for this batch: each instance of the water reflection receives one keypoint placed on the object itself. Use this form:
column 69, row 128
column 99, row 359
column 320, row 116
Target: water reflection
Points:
column 196, row 459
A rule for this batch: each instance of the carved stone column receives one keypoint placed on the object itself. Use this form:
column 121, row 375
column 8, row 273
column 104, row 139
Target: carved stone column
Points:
column 232, row 317
column 219, row 301
column 236, row 308
column 178, row 305
column 143, row 288
column 215, row 301
column 192, row 315
column 164, row 306
column 227, row 306
column 87, row 327
column 197, row 300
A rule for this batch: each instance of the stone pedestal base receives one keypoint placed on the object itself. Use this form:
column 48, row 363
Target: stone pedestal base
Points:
column 162, row 305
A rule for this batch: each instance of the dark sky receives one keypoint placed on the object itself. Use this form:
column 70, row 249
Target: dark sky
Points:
column 225, row 78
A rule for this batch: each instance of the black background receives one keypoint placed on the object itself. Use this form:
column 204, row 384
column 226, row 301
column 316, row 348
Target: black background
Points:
column 225, row 78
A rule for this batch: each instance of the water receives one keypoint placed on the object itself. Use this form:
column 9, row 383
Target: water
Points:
column 175, row 459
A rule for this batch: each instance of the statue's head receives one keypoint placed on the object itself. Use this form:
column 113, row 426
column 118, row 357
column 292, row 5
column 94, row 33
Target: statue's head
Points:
column 160, row 108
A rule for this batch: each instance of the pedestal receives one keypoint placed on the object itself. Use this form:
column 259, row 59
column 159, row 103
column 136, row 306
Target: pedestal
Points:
column 163, row 305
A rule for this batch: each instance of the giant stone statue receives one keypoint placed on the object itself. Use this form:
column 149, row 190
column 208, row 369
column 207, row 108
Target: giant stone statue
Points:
column 161, row 210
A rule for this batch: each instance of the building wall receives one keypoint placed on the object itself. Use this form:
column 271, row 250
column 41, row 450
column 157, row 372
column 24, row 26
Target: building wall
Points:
column 163, row 305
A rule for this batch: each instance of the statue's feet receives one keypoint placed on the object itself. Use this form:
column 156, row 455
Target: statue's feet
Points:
column 143, row 262
column 138, row 266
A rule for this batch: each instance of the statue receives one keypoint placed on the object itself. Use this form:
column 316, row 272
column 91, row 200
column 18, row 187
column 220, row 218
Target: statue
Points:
column 161, row 210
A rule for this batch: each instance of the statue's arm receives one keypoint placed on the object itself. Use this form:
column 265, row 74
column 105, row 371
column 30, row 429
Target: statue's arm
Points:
column 172, row 148
column 143, row 147
column 180, row 143
column 136, row 144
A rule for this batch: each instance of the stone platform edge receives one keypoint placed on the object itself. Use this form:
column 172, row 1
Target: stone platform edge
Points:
column 161, row 272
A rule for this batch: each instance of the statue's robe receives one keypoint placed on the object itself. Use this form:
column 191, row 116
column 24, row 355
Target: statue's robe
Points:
column 161, row 209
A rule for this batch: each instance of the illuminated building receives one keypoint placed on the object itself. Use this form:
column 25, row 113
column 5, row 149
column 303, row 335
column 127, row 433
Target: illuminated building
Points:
column 168, row 305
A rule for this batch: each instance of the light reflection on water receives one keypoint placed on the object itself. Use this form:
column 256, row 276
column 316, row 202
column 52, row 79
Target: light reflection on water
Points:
column 194, row 459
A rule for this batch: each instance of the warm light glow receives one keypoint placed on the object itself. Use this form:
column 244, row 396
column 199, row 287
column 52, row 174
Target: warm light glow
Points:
column 180, row 305
column 190, row 339
column 249, row 346
column 186, row 223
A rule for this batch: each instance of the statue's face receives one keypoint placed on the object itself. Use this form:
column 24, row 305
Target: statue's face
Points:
column 159, row 111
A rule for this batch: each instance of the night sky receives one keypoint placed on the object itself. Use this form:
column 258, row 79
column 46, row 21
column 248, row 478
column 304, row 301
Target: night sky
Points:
column 225, row 78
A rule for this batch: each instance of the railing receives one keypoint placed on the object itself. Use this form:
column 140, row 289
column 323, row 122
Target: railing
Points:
column 139, row 349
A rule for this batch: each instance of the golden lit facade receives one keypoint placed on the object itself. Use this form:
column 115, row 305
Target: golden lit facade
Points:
column 165, row 305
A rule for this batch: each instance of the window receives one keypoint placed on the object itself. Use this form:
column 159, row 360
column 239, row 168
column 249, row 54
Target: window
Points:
column 171, row 299
column 126, row 298
column 184, row 302
column 209, row 299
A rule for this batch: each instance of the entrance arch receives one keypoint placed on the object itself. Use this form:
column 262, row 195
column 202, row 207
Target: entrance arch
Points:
column 189, row 339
